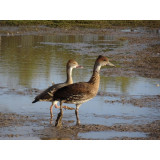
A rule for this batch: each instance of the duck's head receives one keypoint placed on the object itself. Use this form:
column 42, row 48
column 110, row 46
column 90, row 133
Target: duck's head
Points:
column 103, row 61
column 73, row 64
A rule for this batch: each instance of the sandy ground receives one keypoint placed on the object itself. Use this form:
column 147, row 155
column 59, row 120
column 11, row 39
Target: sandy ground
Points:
column 144, row 61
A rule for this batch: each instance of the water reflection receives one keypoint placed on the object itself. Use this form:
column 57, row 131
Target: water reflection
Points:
column 33, row 61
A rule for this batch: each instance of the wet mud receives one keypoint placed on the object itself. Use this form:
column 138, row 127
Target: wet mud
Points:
column 66, row 132
column 140, row 101
column 135, row 61
column 144, row 101
column 139, row 56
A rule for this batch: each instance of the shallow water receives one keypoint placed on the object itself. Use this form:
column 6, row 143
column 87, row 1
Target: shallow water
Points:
column 110, row 135
column 34, row 61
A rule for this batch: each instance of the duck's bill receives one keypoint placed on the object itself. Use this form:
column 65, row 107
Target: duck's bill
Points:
column 79, row 66
column 110, row 64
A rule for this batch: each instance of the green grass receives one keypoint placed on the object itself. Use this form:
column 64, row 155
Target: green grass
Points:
column 83, row 23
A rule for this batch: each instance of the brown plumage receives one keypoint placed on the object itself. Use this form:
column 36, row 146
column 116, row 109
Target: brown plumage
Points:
column 47, row 95
column 77, row 93
column 81, row 92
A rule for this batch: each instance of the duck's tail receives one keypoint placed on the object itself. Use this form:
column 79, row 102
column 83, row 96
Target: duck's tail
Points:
column 35, row 101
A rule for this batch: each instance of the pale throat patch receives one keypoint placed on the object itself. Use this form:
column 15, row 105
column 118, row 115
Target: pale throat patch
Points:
column 69, row 74
column 97, row 68
column 70, row 71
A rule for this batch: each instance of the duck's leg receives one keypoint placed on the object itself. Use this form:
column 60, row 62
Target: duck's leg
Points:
column 59, row 117
column 51, row 107
column 61, row 107
column 77, row 115
column 54, row 103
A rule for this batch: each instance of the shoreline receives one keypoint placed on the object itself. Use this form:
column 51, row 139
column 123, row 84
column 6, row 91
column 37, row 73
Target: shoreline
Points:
column 138, row 57
column 41, row 29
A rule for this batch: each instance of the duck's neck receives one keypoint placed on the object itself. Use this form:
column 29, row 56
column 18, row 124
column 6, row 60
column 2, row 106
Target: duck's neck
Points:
column 95, row 79
column 69, row 75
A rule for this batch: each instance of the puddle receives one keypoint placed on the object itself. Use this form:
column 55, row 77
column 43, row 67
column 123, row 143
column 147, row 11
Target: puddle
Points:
column 34, row 61
column 98, row 112
column 131, row 85
column 32, row 67
column 110, row 135
column 19, row 133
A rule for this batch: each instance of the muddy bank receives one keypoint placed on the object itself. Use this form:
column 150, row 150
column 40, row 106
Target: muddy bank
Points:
column 140, row 57
column 49, row 131
column 26, row 91
column 140, row 101
column 11, row 119
column 15, row 126
column 144, row 101
column 148, row 62
column 40, row 30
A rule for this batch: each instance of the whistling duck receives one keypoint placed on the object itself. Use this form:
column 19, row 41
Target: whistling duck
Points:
column 81, row 92
column 47, row 95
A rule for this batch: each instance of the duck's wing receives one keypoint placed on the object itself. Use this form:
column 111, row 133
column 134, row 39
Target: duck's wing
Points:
column 48, row 93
